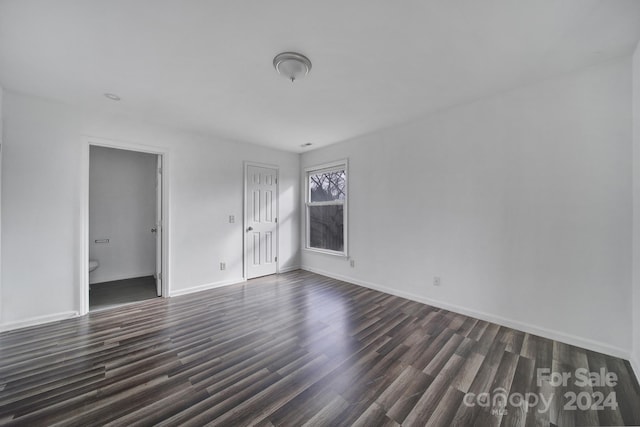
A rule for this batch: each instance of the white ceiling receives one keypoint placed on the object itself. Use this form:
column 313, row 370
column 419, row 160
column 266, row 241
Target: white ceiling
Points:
column 206, row 65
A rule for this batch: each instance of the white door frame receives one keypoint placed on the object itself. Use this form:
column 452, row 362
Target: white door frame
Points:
column 245, row 220
column 159, row 226
column 83, row 268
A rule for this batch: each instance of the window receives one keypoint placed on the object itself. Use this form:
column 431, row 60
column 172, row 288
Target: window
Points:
column 326, row 202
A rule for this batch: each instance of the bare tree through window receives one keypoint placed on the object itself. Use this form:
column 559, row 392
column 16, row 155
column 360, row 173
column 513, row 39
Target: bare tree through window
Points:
column 327, row 186
column 327, row 193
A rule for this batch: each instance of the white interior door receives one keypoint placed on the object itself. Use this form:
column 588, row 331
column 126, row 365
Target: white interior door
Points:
column 261, row 236
column 158, row 227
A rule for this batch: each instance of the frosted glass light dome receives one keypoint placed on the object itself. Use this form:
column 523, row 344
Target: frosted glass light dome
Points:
column 292, row 65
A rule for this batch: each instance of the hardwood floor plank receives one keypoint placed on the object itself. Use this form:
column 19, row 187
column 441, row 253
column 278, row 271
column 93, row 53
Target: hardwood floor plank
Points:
column 209, row 409
column 491, row 416
column 407, row 400
column 370, row 384
column 395, row 390
column 39, row 398
column 434, row 347
column 467, row 372
column 263, row 404
column 558, row 414
column 304, row 406
column 161, row 409
column 441, row 358
column 478, row 329
column 288, row 350
column 426, row 405
column 374, row 416
column 579, row 360
column 466, row 414
column 328, row 413
column 513, row 339
column 517, row 415
column 627, row 390
column 446, row 409
column 608, row 415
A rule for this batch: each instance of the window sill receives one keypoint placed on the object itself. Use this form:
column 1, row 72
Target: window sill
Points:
column 327, row 252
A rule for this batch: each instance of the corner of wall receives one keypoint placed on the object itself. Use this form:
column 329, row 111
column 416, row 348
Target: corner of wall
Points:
column 485, row 316
column 488, row 242
column 1, row 147
column 635, row 277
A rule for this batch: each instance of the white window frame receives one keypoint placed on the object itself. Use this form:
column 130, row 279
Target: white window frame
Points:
column 327, row 167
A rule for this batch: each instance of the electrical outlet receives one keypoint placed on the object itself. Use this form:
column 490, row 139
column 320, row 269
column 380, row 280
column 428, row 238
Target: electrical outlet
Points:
column 223, row 266
column 436, row 281
column 232, row 219
column 352, row 263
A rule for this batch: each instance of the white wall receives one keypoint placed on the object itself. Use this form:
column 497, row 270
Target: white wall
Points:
column 519, row 202
column 42, row 185
column 122, row 209
column 1, row 149
column 635, row 358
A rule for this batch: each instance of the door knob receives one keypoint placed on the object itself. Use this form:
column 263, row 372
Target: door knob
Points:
column 154, row 230
column 249, row 228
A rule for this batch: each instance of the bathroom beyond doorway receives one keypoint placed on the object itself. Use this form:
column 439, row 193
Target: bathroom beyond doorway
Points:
column 124, row 232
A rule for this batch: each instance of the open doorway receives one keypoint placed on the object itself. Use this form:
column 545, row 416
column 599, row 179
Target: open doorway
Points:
column 125, row 232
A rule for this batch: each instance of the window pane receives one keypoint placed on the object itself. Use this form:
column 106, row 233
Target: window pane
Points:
column 326, row 227
column 327, row 186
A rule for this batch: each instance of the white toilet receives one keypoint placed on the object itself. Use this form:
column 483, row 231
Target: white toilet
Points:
column 93, row 264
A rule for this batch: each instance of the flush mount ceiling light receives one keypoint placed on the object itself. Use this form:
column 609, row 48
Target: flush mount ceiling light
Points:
column 112, row 96
column 292, row 65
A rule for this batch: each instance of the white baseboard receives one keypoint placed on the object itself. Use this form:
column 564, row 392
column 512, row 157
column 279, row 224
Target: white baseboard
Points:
column 510, row 323
column 288, row 269
column 178, row 292
column 38, row 320
column 222, row 283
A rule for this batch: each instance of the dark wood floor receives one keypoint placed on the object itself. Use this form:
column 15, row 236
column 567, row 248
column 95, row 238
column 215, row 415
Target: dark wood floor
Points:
column 111, row 294
column 288, row 350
